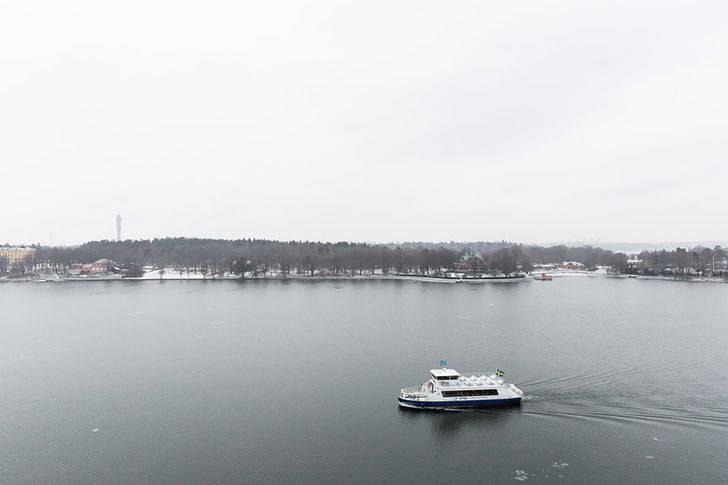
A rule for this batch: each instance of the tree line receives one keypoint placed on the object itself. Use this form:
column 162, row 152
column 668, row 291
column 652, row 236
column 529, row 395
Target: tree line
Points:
column 260, row 256
column 254, row 256
column 503, row 253
column 681, row 261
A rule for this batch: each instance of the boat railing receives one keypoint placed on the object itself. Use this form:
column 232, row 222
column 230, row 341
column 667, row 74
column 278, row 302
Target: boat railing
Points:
column 475, row 374
column 489, row 377
column 413, row 392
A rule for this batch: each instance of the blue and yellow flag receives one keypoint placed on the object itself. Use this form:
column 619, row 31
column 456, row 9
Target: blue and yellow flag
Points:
column 499, row 372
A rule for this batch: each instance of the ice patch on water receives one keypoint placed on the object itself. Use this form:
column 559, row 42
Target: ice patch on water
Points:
column 650, row 457
column 95, row 430
column 559, row 465
column 520, row 475
column 655, row 438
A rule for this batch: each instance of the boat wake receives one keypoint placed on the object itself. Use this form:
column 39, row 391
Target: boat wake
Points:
column 632, row 415
column 658, row 394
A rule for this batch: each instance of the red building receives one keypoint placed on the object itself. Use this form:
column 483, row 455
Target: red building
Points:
column 573, row 265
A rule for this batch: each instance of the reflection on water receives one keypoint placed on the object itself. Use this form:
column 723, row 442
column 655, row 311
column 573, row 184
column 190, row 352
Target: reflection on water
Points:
column 447, row 424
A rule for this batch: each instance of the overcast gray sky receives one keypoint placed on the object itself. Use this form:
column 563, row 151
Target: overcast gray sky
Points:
column 371, row 121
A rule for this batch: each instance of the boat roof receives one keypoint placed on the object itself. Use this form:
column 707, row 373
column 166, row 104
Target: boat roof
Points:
column 444, row 372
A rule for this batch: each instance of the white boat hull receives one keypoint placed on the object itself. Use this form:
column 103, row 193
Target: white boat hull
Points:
column 457, row 404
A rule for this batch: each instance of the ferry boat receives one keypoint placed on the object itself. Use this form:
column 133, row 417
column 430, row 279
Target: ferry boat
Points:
column 543, row 277
column 448, row 389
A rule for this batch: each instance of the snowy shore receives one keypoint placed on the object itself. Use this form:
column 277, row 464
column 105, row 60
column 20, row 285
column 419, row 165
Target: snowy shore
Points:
column 173, row 274
column 168, row 275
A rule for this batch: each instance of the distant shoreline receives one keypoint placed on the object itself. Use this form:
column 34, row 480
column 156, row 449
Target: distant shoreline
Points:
column 199, row 277
column 174, row 276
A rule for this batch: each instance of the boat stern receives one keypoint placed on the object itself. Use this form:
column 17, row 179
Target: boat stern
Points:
column 516, row 391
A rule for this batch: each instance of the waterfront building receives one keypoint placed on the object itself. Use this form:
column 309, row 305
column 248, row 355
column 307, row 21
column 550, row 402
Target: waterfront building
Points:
column 75, row 269
column 634, row 264
column 99, row 266
column 16, row 254
column 572, row 265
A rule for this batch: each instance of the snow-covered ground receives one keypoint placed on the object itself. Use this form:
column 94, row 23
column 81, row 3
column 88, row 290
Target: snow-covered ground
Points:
column 173, row 274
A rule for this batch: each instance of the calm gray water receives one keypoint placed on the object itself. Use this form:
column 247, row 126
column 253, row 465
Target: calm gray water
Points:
column 274, row 382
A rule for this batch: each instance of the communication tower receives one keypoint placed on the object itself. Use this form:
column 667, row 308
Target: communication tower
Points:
column 118, row 227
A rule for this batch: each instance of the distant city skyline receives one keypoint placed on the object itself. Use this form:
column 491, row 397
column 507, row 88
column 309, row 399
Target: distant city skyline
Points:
column 374, row 122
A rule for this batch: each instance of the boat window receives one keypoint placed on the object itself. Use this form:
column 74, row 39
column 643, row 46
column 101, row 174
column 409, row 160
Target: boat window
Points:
column 470, row 392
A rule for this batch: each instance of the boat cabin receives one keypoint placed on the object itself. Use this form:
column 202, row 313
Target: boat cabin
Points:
column 445, row 374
